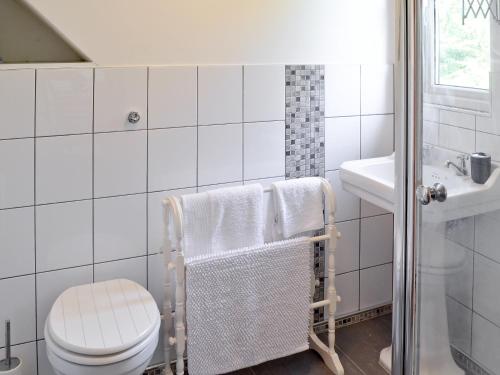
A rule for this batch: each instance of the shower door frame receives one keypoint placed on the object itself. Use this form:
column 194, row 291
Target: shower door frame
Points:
column 408, row 167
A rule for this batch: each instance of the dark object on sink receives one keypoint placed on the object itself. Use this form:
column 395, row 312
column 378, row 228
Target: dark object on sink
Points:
column 480, row 165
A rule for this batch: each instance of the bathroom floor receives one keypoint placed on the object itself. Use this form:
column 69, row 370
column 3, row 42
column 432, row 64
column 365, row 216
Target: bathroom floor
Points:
column 358, row 347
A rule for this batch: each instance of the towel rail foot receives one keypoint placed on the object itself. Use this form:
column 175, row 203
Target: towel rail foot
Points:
column 330, row 358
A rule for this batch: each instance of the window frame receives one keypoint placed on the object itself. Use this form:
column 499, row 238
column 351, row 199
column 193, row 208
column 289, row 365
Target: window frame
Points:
column 456, row 97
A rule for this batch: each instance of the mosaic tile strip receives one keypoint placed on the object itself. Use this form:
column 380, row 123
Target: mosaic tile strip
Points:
column 305, row 120
column 305, row 140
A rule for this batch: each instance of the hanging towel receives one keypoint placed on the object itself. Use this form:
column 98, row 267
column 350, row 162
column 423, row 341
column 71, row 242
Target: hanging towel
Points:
column 223, row 219
column 299, row 206
column 248, row 306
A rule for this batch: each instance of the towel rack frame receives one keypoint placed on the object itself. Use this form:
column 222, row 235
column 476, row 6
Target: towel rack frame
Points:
column 175, row 329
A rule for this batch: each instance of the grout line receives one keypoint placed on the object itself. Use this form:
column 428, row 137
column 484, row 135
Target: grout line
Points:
column 197, row 128
column 242, row 123
column 147, row 177
column 34, row 217
column 360, row 203
column 93, row 174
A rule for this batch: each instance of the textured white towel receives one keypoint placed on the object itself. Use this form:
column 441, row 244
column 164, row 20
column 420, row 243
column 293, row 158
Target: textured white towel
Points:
column 299, row 205
column 248, row 306
column 223, row 219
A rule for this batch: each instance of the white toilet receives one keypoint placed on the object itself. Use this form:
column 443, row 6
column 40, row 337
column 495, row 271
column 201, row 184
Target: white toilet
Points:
column 106, row 328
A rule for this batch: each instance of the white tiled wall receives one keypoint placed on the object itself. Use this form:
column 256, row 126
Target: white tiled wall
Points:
column 80, row 187
column 360, row 124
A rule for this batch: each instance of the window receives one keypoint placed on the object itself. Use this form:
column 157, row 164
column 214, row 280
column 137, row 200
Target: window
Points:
column 456, row 57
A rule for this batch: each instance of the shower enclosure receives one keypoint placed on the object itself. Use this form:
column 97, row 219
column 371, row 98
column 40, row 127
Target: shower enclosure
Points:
column 447, row 262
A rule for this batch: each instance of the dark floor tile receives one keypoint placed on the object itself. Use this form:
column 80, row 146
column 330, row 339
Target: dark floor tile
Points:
column 305, row 363
column 350, row 368
column 362, row 343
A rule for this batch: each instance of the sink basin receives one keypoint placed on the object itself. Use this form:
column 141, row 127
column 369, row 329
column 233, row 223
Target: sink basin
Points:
column 373, row 181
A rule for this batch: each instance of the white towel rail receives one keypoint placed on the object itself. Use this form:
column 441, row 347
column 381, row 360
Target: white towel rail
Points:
column 175, row 334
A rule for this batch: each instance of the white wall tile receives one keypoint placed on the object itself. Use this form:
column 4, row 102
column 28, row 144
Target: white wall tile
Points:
column 265, row 182
column 488, row 124
column 18, row 304
column 27, row 353
column 347, row 255
column 486, row 281
column 459, row 325
column 377, row 89
column 17, row 239
column 264, row 149
column 204, row 188
column 44, row 366
column 63, row 235
column 172, row 156
column 120, row 163
column 459, row 283
column 347, row 286
column 460, row 119
column 155, row 217
column 485, row 343
column 119, row 227
column 487, row 235
column 220, row 154
column 375, row 286
column 431, row 132
column 264, row 92
column 347, row 204
column 119, row 91
column 63, row 168
column 156, row 280
column 342, row 141
column 50, row 285
column 368, row 209
column 172, row 96
column 342, row 90
column 16, row 172
column 458, row 139
column 430, row 113
column 461, row 231
column 220, row 94
column 17, row 103
column 377, row 136
column 64, row 101
column 490, row 144
column 134, row 269
column 377, row 244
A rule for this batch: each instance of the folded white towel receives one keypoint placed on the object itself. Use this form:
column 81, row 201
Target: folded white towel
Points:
column 299, row 205
column 222, row 219
column 248, row 306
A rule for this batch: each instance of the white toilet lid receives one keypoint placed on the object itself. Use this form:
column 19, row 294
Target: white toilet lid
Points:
column 103, row 318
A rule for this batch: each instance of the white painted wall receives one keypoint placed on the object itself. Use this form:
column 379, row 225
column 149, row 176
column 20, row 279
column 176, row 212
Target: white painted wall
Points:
column 24, row 38
column 225, row 31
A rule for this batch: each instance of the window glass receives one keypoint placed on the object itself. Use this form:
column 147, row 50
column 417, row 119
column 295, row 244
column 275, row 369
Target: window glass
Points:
column 462, row 49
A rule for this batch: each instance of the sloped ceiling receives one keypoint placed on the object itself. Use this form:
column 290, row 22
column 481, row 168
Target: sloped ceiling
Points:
column 223, row 31
column 24, row 37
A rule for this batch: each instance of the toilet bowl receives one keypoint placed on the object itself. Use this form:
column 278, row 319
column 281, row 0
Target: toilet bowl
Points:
column 106, row 328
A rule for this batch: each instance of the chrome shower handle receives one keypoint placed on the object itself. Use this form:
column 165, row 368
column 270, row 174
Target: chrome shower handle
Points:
column 427, row 194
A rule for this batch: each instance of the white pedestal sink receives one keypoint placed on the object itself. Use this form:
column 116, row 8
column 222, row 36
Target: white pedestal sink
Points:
column 373, row 181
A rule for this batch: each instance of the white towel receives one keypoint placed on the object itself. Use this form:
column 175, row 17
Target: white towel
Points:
column 248, row 306
column 223, row 219
column 299, row 206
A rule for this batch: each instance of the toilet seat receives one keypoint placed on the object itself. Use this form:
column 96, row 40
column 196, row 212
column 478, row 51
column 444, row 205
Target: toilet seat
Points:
column 102, row 323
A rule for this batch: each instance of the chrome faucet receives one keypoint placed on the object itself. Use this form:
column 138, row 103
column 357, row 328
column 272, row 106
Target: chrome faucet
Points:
column 462, row 167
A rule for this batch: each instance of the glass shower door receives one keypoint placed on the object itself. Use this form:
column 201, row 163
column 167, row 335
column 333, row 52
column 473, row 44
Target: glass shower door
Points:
column 456, row 260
